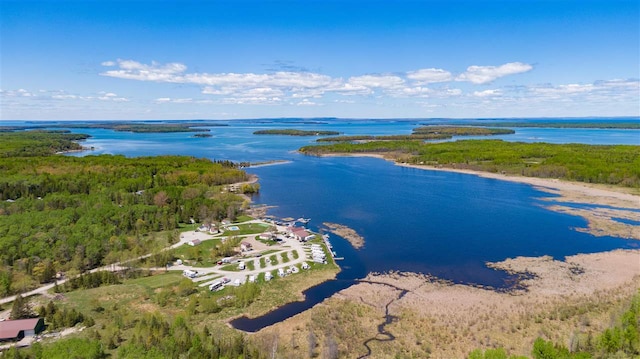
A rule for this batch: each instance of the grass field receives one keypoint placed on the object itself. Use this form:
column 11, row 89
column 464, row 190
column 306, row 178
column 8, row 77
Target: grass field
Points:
column 247, row 228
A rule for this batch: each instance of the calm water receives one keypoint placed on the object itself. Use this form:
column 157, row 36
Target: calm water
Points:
column 444, row 224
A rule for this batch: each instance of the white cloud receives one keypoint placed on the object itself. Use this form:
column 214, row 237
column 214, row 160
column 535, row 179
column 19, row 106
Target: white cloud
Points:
column 485, row 74
column 488, row 93
column 16, row 93
column 381, row 81
column 306, row 102
column 427, row 76
column 108, row 63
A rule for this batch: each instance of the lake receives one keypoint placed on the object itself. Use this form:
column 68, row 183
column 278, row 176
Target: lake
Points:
column 443, row 224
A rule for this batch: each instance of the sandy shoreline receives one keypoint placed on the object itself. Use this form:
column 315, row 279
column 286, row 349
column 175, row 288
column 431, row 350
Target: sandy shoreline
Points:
column 565, row 301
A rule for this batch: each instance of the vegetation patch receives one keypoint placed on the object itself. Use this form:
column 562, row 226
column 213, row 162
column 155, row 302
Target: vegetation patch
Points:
column 607, row 164
column 293, row 132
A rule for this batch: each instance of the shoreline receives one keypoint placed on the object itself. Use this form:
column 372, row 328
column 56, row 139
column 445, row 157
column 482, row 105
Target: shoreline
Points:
column 601, row 220
column 459, row 318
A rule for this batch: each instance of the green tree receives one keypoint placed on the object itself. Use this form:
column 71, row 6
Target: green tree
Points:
column 21, row 308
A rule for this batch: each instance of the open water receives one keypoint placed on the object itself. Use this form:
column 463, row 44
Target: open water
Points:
column 443, row 224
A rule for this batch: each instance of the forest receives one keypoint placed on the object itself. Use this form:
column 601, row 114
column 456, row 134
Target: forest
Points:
column 60, row 213
column 612, row 164
column 424, row 133
column 136, row 127
column 292, row 132
column 565, row 124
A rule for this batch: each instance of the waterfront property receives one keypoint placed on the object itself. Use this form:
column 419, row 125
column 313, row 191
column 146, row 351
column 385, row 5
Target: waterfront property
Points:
column 301, row 234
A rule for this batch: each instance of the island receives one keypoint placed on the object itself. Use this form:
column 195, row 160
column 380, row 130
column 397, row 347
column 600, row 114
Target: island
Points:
column 122, row 126
column 293, row 132
column 424, row 133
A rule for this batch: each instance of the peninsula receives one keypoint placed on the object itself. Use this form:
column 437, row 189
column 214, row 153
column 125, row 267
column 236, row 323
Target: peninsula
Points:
column 293, row 132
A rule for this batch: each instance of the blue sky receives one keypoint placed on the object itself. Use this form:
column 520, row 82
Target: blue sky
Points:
column 358, row 59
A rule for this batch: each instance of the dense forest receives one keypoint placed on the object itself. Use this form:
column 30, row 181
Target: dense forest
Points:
column 424, row 133
column 38, row 143
column 292, row 132
column 565, row 124
column 137, row 127
column 615, row 165
column 60, row 213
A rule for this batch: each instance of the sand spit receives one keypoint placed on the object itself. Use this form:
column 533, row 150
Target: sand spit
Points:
column 356, row 240
column 565, row 301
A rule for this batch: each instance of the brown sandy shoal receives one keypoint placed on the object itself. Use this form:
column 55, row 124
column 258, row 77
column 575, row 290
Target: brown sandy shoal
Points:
column 563, row 300
column 356, row 240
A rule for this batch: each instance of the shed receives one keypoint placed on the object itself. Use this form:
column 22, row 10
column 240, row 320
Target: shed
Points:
column 18, row 329
column 245, row 246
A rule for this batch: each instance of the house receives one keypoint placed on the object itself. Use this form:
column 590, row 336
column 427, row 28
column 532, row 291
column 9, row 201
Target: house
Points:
column 194, row 242
column 245, row 246
column 226, row 222
column 11, row 330
column 301, row 234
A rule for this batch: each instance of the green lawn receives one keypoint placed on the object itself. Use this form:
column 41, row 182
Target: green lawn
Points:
column 131, row 291
column 247, row 228
column 263, row 263
column 285, row 257
column 273, row 259
column 250, row 265
column 296, row 255
column 243, row 218
column 200, row 254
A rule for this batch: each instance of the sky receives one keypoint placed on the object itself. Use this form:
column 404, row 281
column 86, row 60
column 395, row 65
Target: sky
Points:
column 136, row 60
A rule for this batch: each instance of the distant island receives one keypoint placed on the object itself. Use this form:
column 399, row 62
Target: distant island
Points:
column 424, row 133
column 202, row 135
column 135, row 127
column 565, row 124
column 292, row 132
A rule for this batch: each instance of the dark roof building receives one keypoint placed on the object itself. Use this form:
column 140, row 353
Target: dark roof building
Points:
column 18, row 329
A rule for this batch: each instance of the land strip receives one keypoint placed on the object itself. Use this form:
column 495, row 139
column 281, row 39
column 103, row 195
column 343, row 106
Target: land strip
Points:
column 356, row 240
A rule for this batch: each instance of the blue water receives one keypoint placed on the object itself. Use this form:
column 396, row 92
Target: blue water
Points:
column 443, row 224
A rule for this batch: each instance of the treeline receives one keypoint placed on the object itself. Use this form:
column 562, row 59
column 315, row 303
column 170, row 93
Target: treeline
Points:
column 565, row 124
column 137, row 127
column 622, row 340
column 56, row 317
column 38, row 143
column 384, row 138
column 69, row 213
column 424, row 133
column 293, row 132
column 89, row 280
column 154, row 337
column 462, row 131
column 612, row 164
